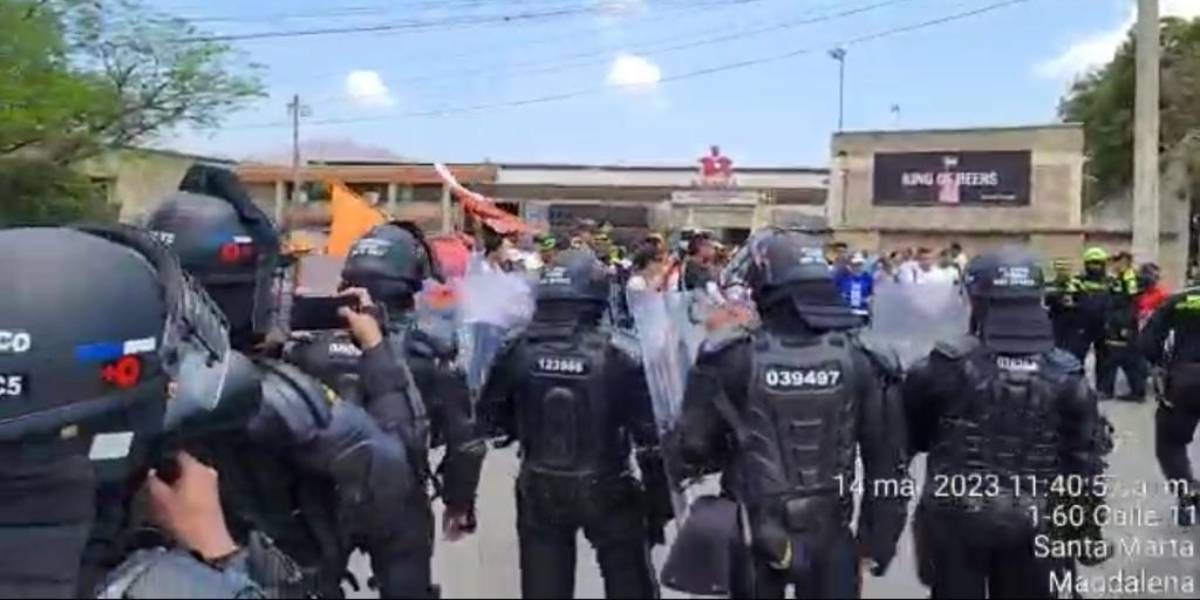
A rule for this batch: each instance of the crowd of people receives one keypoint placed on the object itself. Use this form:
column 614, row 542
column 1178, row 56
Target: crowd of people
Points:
column 161, row 437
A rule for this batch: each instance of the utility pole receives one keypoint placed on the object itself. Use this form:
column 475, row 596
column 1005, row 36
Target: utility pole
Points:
column 1146, row 200
column 296, row 110
column 839, row 54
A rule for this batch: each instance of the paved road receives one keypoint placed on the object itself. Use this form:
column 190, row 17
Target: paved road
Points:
column 1146, row 539
column 486, row 565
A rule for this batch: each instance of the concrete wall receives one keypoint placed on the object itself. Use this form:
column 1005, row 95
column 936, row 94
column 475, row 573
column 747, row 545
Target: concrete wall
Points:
column 1056, row 180
column 665, row 177
column 138, row 178
column 1052, row 222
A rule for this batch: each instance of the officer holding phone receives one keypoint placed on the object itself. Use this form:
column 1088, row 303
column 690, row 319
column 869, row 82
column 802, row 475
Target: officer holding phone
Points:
column 317, row 474
column 393, row 261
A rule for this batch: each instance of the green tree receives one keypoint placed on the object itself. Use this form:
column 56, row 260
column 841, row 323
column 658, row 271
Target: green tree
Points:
column 79, row 77
column 35, row 191
column 1103, row 101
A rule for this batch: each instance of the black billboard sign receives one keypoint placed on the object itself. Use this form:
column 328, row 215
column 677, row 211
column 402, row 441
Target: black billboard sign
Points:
column 953, row 178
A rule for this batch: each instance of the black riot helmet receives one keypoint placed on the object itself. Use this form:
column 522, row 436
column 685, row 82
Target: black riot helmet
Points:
column 575, row 276
column 573, row 288
column 1007, row 288
column 107, row 346
column 788, row 268
column 392, row 261
column 226, row 243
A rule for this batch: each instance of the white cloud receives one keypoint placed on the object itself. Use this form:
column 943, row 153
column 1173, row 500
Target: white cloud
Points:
column 1096, row 49
column 634, row 72
column 619, row 8
column 366, row 89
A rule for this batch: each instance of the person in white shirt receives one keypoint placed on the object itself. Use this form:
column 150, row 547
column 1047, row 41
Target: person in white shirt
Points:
column 649, row 268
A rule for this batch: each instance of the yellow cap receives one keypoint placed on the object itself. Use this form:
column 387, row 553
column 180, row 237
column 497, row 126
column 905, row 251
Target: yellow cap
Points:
column 1095, row 254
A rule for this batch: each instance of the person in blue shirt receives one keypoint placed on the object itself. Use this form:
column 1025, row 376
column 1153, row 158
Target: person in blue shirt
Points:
column 855, row 284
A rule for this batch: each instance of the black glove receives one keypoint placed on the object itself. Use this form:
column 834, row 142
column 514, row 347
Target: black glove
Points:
column 659, row 509
column 881, row 558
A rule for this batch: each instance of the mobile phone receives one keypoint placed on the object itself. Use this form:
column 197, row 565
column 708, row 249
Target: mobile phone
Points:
column 317, row 313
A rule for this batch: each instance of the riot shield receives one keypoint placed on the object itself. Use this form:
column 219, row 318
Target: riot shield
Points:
column 911, row 318
column 670, row 329
column 495, row 306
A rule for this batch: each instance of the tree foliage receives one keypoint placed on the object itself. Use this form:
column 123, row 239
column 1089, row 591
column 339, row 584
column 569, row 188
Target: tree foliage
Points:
column 79, row 77
column 39, row 192
column 1104, row 101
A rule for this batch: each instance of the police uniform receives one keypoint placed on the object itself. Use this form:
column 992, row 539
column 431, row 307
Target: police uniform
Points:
column 784, row 411
column 314, row 473
column 577, row 405
column 1061, row 303
column 1171, row 341
column 1000, row 413
column 1121, row 330
column 392, row 262
column 99, row 373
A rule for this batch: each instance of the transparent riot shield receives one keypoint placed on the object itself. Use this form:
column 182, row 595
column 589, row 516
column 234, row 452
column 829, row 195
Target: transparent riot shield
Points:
column 911, row 318
column 494, row 306
column 670, row 328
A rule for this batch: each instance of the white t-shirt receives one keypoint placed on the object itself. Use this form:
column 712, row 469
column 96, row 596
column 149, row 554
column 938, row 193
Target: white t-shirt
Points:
column 637, row 283
column 936, row 275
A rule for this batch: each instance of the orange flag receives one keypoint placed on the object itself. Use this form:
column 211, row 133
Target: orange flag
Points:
column 352, row 217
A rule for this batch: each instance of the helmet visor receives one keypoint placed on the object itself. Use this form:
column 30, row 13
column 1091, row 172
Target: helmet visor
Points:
column 196, row 354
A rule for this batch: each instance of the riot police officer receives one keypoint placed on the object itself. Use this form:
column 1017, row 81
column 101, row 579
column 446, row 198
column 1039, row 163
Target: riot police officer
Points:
column 1006, row 421
column 393, row 262
column 1171, row 341
column 575, row 402
column 784, row 410
column 106, row 353
column 315, row 473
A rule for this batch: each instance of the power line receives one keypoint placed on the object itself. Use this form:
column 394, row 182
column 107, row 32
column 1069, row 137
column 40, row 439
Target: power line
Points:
column 355, row 11
column 411, row 24
column 604, row 55
column 601, row 56
column 732, row 66
column 573, row 36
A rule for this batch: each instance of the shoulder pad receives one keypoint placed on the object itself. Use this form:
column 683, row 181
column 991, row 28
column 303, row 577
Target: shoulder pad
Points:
column 323, row 352
column 725, row 339
column 884, row 357
column 956, row 348
column 430, row 343
column 300, row 400
column 159, row 573
column 1064, row 362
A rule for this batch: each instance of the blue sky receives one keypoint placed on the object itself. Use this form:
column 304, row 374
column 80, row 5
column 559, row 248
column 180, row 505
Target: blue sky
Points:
column 1008, row 66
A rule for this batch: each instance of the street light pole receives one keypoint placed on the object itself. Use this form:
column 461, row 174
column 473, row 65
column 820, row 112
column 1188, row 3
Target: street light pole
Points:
column 839, row 54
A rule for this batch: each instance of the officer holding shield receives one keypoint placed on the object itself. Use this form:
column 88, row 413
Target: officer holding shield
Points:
column 577, row 402
column 1012, row 430
column 783, row 410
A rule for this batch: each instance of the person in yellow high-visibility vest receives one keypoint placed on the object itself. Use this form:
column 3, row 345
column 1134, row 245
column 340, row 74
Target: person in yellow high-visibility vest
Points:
column 1090, row 294
column 1121, row 327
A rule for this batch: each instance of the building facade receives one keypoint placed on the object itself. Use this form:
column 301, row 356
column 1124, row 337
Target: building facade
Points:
column 982, row 188
column 134, row 179
column 638, row 198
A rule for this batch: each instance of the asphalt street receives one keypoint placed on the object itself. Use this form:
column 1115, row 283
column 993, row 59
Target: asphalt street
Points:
column 486, row 564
